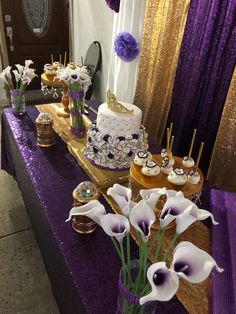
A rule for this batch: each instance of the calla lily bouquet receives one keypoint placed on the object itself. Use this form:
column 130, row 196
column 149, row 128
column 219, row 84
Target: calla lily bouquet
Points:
column 159, row 281
column 77, row 79
column 23, row 75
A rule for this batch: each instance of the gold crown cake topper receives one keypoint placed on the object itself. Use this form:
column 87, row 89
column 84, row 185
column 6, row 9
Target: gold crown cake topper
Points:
column 115, row 106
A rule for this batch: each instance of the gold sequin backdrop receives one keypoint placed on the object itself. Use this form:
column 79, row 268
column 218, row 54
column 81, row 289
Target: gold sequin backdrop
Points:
column 163, row 29
column 222, row 170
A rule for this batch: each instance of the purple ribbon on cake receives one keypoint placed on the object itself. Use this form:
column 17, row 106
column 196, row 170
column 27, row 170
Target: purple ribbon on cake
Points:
column 15, row 92
column 76, row 94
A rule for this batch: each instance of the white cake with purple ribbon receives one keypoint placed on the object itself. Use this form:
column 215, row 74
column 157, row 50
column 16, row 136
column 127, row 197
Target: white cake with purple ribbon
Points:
column 116, row 136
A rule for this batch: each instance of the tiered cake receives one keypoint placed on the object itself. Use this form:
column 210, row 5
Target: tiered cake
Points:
column 116, row 136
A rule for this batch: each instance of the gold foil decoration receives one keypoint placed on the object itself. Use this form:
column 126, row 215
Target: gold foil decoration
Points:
column 115, row 106
column 163, row 29
column 222, row 170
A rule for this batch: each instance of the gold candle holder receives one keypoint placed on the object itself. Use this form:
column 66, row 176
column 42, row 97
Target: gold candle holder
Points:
column 85, row 192
column 44, row 124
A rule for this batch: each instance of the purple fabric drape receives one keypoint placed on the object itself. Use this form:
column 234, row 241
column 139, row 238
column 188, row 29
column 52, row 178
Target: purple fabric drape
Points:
column 224, row 252
column 205, row 66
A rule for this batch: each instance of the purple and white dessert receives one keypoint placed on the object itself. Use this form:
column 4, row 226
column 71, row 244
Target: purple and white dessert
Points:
column 151, row 168
column 188, row 162
column 193, row 177
column 177, row 177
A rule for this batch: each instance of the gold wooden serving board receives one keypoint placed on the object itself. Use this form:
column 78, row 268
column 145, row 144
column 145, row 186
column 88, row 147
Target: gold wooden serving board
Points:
column 76, row 146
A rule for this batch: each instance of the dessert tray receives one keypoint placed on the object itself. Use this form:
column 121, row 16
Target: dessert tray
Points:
column 139, row 181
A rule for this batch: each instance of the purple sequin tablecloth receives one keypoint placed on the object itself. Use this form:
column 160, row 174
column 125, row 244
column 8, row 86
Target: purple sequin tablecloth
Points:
column 83, row 269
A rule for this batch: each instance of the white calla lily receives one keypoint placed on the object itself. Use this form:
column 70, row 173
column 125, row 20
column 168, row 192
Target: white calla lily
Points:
column 184, row 211
column 3, row 77
column 17, row 75
column 164, row 283
column 28, row 63
column 20, row 68
column 141, row 218
column 122, row 196
column 151, row 196
column 7, row 72
column 94, row 210
column 115, row 225
column 192, row 263
column 30, row 73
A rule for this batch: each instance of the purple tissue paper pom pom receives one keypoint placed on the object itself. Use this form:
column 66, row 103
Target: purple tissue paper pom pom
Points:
column 114, row 5
column 126, row 47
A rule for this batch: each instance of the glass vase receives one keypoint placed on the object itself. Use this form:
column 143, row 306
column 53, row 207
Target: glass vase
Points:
column 17, row 102
column 76, row 103
column 128, row 302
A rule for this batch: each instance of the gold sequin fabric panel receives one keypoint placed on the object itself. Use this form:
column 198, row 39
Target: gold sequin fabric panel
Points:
column 222, row 170
column 163, row 29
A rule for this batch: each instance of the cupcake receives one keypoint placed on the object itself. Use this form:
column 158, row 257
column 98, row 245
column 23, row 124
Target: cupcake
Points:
column 141, row 157
column 193, row 177
column 151, row 168
column 177, row 177
column 188, row 162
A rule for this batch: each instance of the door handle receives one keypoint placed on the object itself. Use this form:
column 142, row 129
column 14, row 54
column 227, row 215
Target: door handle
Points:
column 9, row 30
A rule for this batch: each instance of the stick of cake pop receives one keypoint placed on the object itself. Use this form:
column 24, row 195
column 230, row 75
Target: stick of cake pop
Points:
column 199, row 154
column 60, row 58
column 168, row 142
column 82, row 61
column 171, row 143
column 192, row 142
column 65, row 59
column 51, row 58
column 171, row 127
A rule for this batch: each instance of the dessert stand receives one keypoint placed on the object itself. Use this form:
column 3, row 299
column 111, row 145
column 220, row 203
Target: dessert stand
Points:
column 139, row 181
column 51, row 80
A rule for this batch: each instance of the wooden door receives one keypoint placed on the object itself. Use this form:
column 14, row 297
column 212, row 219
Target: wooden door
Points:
column 35, row 29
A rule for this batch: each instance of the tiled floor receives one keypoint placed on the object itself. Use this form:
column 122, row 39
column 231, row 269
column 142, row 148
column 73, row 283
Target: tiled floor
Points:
column 24, row 285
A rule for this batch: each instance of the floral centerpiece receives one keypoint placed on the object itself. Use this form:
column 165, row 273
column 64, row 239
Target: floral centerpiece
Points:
column 17, row 80
column 141, row 287
column 78, row 81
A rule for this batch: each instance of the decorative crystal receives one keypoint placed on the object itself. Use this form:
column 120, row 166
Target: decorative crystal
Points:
column 44, row 117
column 86, row 191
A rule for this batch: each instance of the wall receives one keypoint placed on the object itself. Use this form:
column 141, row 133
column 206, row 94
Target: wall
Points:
column 92, row 20
column 3, row 61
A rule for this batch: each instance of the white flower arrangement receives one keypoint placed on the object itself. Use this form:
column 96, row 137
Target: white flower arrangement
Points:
column 157, row 282
column 77, row 79
column 23, row 76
